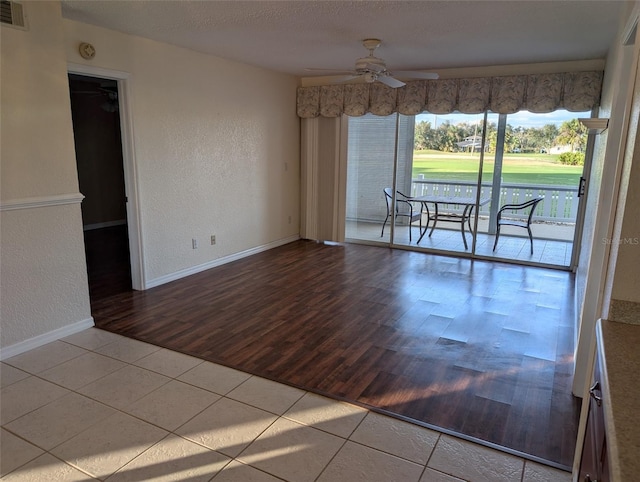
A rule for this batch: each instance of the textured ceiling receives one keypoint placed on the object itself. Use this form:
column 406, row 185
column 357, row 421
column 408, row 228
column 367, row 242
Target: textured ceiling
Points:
column 289, row 36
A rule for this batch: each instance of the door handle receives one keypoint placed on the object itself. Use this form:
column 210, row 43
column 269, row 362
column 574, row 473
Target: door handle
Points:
column 592, row 392
column 582, row 186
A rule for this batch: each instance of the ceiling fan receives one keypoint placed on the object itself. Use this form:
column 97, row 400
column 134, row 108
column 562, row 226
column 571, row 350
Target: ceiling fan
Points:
column 111, row 104
column 372, row 69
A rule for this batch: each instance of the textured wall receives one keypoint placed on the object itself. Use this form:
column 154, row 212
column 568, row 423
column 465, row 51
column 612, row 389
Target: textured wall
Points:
column 591, row 290
column 216, row 148
column 43, row 279
column 43, row 276
column 216, row 145
column 37, row 141
column 626, row 282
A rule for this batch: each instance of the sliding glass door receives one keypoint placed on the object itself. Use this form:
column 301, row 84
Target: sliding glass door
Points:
column 537, row 156
column 448, row 176
column 374, row 145
column 434, row 168
column 449, row 163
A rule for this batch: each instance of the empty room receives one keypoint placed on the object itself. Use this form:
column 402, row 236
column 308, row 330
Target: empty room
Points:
column 324, row 241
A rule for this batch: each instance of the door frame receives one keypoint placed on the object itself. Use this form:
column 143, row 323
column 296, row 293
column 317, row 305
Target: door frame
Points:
column 136, row 252
column 582, row 198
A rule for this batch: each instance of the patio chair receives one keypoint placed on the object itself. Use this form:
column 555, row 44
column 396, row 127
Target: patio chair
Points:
column 514, row 209
column 404, row 208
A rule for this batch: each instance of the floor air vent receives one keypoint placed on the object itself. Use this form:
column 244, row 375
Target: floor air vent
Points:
column 11, row 13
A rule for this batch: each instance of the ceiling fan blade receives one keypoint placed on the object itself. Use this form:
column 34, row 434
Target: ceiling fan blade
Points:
column 409, row 74
column 390, row 81
column 345, row 78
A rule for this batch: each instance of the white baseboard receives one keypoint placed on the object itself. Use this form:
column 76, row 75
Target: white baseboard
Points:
column 108, row 224
column 37, row 341
column 218, row 262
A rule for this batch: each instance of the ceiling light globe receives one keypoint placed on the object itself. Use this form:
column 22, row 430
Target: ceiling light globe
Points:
column 370, row 77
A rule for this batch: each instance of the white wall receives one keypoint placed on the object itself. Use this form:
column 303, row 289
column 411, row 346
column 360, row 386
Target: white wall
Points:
column 602, row 200
column 43, row 280
column 626, row 277
column 216, row 151
column 216, row 148
column 37, row 134
column 44, row 277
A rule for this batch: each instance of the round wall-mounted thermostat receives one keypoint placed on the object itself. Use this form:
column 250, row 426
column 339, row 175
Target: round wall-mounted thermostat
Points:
column 87, row 51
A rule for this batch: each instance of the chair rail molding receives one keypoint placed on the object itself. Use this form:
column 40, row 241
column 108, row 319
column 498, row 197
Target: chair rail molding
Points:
column 41, row 201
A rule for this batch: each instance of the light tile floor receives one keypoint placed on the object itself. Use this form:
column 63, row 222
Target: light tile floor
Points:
column 100, row 406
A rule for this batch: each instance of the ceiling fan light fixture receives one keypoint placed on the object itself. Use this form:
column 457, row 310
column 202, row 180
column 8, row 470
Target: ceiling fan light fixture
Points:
column 370, row 77
column 371, row 64
column 374, row 69
column 371, row 44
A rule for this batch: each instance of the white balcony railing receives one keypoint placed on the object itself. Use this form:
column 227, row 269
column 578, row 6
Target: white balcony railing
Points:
column 560, row 203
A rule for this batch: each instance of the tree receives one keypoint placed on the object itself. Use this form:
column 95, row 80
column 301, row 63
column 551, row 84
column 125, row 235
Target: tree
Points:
column 422, row 135
column 511, row 141
column 573, row 133
column 447, row 136
column 543, row 138
column 450, row 136
column 518, row 140
column 492, row 136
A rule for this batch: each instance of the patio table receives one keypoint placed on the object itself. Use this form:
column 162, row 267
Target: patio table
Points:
column 467, row 203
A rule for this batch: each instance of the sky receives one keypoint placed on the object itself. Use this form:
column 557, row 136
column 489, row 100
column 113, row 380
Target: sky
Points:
column 522, row 118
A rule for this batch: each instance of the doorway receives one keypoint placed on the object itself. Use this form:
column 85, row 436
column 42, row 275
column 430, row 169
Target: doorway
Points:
column 99, row 158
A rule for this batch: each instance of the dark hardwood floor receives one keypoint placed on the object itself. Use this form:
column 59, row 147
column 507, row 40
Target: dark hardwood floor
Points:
column 475, row 348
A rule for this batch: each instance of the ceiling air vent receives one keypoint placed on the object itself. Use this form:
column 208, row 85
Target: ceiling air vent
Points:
column 11, row 13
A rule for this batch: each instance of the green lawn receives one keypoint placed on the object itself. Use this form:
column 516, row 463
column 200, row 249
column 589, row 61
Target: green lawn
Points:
column 516, row 168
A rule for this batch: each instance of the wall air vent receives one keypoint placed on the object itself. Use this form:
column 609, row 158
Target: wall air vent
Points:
column 12, row 13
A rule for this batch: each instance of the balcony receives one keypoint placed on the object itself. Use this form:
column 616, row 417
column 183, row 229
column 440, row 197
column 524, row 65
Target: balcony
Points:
column 553, row 226
column 560, row 203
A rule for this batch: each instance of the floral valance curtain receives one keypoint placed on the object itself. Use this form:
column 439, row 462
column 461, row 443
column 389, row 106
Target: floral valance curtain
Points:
column 539, row 93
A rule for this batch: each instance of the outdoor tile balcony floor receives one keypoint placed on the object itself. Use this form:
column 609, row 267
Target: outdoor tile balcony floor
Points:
column 513, row 244
column 169, row 416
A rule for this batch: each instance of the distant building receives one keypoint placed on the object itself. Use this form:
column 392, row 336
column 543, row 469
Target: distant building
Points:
column 559, row 149
column 472, row 143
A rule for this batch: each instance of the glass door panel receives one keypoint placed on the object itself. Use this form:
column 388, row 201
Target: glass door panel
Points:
column 370, row 169
column 455, row 185
column 543, row 156
column 409, row 220
column 446, row 167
